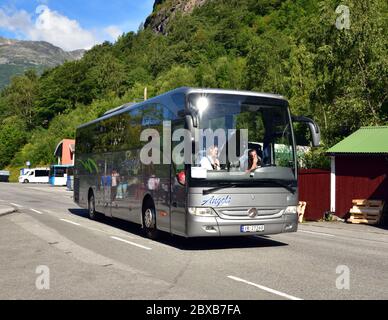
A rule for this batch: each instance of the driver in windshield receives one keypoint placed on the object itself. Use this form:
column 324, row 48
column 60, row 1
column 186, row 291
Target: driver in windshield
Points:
column 254, row 161
column 211, row 161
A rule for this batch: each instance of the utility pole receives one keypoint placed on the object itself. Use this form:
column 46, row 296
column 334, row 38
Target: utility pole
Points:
column 145, row 94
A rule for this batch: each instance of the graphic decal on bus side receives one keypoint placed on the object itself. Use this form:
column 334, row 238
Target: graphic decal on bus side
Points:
column 215, row 201
column 89, row 165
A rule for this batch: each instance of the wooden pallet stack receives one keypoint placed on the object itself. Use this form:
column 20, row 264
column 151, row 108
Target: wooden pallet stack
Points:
column 301, row 209
column 366, row 211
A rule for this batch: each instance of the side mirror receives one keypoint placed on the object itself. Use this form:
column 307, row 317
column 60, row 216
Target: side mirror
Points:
column 190, row 123
column 314, row 129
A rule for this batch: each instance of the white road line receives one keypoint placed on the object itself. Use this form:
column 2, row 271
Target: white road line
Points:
column 317, row 233
column 89, row 228
column 132, row 243
column 71, row 222
column 16, row 205
column 282, row 294
column 36, row 211
column 105, row 232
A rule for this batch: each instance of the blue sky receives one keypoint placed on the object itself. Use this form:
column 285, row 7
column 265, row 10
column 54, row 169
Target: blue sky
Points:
column 71, row 24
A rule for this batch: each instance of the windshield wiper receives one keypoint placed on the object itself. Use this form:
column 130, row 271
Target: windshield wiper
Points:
column 277, row 182
column 212, row 190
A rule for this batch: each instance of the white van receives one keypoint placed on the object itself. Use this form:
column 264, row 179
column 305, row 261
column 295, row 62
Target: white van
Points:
column 37, row 175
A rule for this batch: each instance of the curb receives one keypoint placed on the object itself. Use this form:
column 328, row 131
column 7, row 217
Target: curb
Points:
column 4, row 210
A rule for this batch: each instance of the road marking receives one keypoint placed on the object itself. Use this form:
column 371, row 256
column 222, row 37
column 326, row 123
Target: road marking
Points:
column 89, row 228
column 16, row 205
column 132, row 243
column 36, row 211
column 105, row 232
column 318, row 233
column 282, row 294
column 71, row 222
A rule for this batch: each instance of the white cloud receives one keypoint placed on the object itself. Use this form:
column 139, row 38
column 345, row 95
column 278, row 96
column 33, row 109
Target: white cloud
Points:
column 53, row 27
column 113, row 32
column 59, row 30
column 15, row 21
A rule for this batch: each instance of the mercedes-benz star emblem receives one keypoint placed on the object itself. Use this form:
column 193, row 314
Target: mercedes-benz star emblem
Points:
column 252, row 213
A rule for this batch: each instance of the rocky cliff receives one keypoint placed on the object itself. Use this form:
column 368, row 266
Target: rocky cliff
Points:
column 165, row 10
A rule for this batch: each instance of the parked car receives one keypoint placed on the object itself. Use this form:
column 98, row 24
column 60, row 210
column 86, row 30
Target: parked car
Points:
column 36, row 175
column 4, row 176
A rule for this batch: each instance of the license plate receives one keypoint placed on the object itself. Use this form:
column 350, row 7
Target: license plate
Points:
column 254, row 228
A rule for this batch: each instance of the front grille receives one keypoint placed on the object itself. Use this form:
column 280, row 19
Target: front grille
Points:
column 243, row 213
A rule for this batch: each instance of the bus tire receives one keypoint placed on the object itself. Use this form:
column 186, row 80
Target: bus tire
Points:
column 92, row 207
column 149, row 221
column 26, row 181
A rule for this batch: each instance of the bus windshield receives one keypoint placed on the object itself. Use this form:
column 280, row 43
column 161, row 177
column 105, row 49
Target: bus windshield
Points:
column 263, row 146
column 58, row 172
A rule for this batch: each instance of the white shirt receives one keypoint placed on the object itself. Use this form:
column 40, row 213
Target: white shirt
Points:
column 207, row 162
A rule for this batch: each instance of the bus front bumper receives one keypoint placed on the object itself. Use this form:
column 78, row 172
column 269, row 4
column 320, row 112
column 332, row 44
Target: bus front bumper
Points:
column 215, row 226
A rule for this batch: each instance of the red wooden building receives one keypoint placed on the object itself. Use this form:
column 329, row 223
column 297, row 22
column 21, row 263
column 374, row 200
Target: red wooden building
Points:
column 359, row 169
column 314, row 189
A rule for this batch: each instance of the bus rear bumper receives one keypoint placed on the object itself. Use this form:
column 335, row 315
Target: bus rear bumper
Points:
column 215, row 226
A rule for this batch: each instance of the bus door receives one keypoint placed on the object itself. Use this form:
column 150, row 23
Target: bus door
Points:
column 107, row 185
column 177, row 190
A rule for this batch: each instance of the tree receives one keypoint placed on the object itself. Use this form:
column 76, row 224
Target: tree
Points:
column 12, row 137
column 20, row 97
column 109, row 76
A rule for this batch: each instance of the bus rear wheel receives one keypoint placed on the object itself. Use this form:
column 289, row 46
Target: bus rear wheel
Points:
column 149, row 222
column 92, row 207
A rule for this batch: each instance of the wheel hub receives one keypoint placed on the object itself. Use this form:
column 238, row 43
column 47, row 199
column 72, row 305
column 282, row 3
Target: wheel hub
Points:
column 148, row 218
column 91, row 205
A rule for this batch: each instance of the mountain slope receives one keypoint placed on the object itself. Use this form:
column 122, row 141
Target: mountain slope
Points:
column 17, row 56
column 290, row 47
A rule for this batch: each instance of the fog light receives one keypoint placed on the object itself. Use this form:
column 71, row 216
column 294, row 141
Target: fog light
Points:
column 289, row 227
column 210, row 229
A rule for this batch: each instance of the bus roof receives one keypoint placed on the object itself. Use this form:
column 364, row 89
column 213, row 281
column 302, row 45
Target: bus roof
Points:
column 185, row 90
column 61, row 165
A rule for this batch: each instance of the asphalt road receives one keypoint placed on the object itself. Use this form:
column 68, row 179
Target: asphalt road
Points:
column 110, row 259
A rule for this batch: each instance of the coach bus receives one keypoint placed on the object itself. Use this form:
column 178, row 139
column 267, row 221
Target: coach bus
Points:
column 189, row 198
column 59, row 174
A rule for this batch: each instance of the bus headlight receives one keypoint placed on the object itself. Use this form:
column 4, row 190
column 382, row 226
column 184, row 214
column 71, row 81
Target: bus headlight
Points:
column 291, row 210
column 202, row 212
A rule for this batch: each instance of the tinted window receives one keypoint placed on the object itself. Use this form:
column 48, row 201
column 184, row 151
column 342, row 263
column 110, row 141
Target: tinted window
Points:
column 41, row 173
column 60, row 172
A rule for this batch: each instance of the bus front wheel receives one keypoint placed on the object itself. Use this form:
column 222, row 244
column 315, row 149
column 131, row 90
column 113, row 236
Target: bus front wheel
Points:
column 92, row 207
column 149, row 222
column 26, row 181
